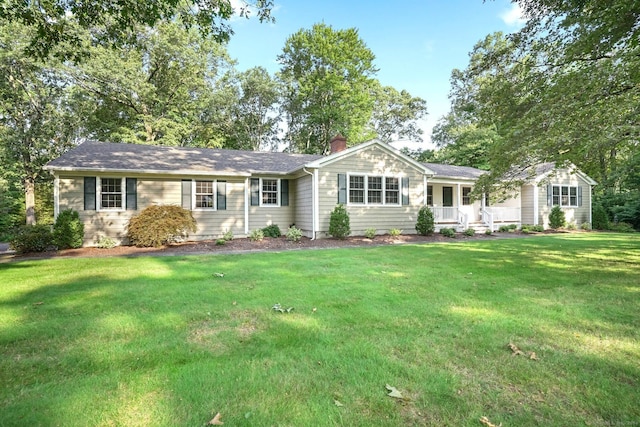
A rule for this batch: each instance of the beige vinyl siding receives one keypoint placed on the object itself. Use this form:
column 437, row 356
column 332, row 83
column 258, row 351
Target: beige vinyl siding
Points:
column 303, row 213
column 371, row 161
column 526, row 204
column 153, row 191
column 282, row 216
column 575, row 215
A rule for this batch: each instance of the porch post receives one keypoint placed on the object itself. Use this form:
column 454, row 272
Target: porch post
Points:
column 246, row 206
column 535, row 205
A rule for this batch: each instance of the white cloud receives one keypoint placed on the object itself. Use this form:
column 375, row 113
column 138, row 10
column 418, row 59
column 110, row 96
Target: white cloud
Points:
column 514, row 16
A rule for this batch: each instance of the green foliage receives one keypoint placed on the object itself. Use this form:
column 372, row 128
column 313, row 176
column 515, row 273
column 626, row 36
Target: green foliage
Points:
column 271, row 231
column 32, row 238
column 256, row 235
column 556, row 218
column 370, row 233
column 395, row 232
column 529, row 228
column 425, row 225
column 68, row 230
column 621, row 227
column 160, row 225
column 396, row 114
column 339, row 223
column 488, row 232
column 469, row 232
column 507, row 228
column 11, row 208
column 221, row 242
column 105, row 242
column 227, row 235
column 294, row 234
column 600, row 218
column 571, row 226
column 448, row 232
column 585, row 226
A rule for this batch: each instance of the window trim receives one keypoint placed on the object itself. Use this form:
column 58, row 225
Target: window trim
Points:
column 430, row 195
column 123, row 194
column 194, row 195
column 466, row 199
column 277, row 191
column 383, row 191
column 560, row 195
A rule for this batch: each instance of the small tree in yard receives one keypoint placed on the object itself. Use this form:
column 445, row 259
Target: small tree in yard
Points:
column 68, row 230
column 339, row 226
column 426, row 224
column 160, row 225
column 556, row 218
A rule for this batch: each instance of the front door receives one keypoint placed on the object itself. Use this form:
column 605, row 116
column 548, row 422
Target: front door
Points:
column 447, row 196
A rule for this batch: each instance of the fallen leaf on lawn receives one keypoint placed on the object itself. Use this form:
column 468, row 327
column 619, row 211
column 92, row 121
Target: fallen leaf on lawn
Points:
column 234, row 303
column 38, row 303
column 485, row 421
column 533, row 356
column 393, row 392
column 216, row 420
column 218, row 274
column 314, row 310
column 515, row 350
column 337, row 403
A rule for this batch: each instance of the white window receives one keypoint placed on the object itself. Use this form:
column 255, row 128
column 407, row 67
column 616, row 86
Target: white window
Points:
column 564, row 195
column 111, row 193
column 466, row 195
column 429, row 195
column 205, row 194
column 374, row 190
column 269, row 192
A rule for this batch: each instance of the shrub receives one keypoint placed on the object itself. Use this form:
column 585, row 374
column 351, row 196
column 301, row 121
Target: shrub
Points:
column 503, row 229
column 448, row 232
column 68, row 230
column 469, row 232
column 370, row 233
column 426, row 223
column 160, row 225
column 395, row 232
column 256, row 235
column 294, row 234
column 339, row 226
column 272, row 231
column 105, row 242
column 600, row 218
column 488, row 232
column 572, row 226
column 622, row 227
column 528, row 228
column 585, row 226
column 221, row 242
column 31, row 238
column 228, row 235
column 556, row 218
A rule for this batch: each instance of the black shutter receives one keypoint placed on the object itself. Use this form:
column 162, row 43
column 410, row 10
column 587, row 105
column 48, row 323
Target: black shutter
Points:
column 221, row 195
column 186, row 194
column 132, row 194
column 579, row 196
column 89, row 193
column 255, row 192
column 405, row 191
column 284, row 192
column 549, row 195
column 342, row 189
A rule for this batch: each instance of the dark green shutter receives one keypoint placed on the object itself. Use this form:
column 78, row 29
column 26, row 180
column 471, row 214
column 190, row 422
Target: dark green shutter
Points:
column 342, row 189
column 549, row 195
column 405, row 191
column 132, row 194
column 284, row 192
column 255, row 192
column 89, row 193
column 221, row 195
column 579, row 196
column 186, row 194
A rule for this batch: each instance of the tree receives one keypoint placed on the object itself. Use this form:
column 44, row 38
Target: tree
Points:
column 56, row 22
column 157, row 91
column 395, row 114
column 37, row 123
column 327, row 76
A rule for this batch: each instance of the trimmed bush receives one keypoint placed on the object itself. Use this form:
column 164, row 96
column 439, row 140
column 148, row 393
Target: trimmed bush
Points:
column 600, row 218
column 272, row 231
column 105, row 243
column 556, row 218
column 256, row 235
column 370, row 233
column 339, row 225
column 294, row 234
column 528, row 228
column 426, row 223
column 32, row 238
column 68, row 230
column 622, row 227
column 160, row 225
column 228, row 235
column 469, row 232
column 395, row 232
column 448, row 232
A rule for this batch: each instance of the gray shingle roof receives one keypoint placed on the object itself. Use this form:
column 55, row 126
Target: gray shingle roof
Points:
column 450, row 171
column 99, row 156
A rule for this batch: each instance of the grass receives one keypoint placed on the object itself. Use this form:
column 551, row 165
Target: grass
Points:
column 164, row 341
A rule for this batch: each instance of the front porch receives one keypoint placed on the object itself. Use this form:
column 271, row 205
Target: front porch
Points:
column 482, row 219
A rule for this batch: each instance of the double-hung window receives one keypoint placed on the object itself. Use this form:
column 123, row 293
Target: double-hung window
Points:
column 429, row 195
column 466, row 195
column 374, row 190
column 269, row 192
column 204, row 195
column 111, row 193
column 565, row 195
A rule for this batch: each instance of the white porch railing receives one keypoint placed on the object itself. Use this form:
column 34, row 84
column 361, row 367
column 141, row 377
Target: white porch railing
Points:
column 450, row 214
column 487, row 218
column 492, row 215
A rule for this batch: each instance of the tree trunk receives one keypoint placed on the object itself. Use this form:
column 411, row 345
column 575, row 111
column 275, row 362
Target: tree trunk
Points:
column 30, row 200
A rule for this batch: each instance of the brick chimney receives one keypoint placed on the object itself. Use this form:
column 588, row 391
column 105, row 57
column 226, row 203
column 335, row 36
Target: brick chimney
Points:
column 338, row 143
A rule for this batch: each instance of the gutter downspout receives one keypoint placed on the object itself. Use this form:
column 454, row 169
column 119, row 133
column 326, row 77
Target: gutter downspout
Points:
column 313, row 202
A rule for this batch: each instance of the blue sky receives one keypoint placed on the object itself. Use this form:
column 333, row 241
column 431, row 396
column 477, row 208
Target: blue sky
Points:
column 416, row 43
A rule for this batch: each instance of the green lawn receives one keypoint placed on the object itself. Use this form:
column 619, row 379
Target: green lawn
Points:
column 164, row 341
